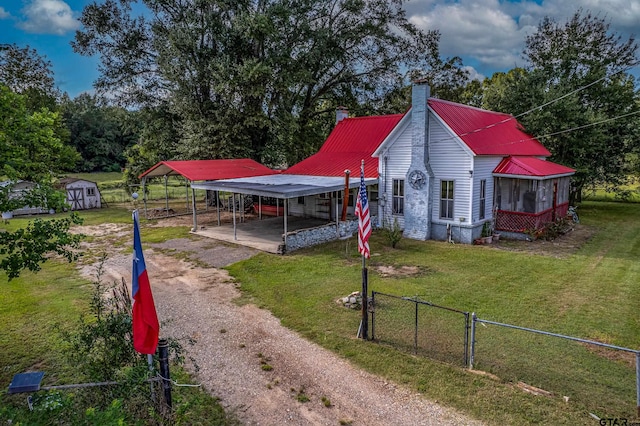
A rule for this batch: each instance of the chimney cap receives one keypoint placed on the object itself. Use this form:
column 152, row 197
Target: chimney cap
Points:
column 421, row 80
column 341, row 108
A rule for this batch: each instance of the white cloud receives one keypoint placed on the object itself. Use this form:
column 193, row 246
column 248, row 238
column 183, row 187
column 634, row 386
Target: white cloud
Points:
column 476, row 28
column 48, row 17
column 473, row 73
column 491, row 33
column 3, row 13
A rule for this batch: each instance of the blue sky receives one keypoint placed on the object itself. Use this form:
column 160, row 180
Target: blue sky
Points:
column 488, row 34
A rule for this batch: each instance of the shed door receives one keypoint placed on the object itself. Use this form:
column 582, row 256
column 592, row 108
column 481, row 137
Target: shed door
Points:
column 76, row 198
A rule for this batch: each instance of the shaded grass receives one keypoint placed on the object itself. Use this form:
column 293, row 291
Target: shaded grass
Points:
column 36, row 308
column 592, row 294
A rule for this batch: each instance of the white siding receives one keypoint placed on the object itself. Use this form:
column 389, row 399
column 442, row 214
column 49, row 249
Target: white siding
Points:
column 483, row 169
column 397, row 159
column 450, row 161
column 89, row 201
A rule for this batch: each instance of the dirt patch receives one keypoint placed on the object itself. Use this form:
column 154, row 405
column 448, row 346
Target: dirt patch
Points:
column 561, row 247
column 195, row 302
column 403, row 271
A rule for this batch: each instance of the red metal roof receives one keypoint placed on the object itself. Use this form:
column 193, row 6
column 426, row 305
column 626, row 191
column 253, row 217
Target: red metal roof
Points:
column 352, row 140
column 531, row 166
column 195, row 170
column 487, row 132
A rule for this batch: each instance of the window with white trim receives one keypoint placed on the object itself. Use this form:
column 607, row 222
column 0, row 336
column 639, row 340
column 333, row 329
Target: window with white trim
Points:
column 483, row 198
column 398, row 197
column 446, row 199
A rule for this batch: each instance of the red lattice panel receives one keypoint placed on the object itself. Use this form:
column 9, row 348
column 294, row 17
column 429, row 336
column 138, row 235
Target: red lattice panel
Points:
column 521, row 222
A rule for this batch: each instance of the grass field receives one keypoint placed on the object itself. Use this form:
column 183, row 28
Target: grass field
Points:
column 35, row 309
column 591, row 294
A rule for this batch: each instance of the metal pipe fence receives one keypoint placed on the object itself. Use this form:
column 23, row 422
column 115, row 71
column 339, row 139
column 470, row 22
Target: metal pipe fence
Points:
column 578, row 369
column 420, row 327
column 553, row 364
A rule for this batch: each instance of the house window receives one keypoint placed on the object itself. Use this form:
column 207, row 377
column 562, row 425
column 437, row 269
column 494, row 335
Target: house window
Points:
column 483, row 198
column 398, row 196
column 300, row 200
column 91, row 192
column 446, row 199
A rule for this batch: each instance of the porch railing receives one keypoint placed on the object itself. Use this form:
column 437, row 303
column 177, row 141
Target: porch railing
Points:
column 521, row 222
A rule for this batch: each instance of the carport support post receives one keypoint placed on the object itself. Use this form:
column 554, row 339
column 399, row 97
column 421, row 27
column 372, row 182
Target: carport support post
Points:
column 195, row 216
column 233, row 201
column 218, row 205
column 285, row 220
column 144, row 196
column 186, row 189
column 166, row 196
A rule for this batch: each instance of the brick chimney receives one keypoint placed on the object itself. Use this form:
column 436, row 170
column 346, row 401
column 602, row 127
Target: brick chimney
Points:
column 341, row 113
column 418, row 188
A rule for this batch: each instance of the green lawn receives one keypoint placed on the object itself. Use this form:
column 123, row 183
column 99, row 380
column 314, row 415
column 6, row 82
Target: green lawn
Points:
column 34, row 311
column 592, row 294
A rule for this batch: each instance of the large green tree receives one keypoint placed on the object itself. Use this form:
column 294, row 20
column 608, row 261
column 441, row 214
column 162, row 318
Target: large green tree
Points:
column 30, row 148
column 100, row 132
column 26, row 72
column 255, row 78
column 592, row 126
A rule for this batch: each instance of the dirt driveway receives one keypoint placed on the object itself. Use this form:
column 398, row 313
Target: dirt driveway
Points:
column 194, row 300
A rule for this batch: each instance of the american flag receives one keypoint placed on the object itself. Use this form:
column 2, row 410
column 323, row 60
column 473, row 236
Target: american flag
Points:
column 364, row 219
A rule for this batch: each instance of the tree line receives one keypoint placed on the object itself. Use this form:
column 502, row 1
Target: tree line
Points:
column 262, row 78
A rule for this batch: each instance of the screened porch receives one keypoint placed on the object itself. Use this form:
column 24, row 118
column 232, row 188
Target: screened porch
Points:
column 529, row 204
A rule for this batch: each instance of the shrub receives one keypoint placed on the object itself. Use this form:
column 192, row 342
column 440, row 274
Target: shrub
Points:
column 392, row 232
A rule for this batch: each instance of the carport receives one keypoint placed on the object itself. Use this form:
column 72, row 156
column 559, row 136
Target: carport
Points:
column 201, row 170
column 280, row 186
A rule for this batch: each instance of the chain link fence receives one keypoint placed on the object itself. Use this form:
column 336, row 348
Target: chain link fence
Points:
column 540, row 362
column 420, row 327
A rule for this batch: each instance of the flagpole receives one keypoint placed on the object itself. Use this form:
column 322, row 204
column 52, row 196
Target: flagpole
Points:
column 365, row 290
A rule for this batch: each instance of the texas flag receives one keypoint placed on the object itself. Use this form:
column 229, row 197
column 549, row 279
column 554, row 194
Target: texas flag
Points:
column 145, row 320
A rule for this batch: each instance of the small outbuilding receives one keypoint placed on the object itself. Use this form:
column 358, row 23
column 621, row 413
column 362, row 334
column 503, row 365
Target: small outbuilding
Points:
column 81, row 194
column 17, row 189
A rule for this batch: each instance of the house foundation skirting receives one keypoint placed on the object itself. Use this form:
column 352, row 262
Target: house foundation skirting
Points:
column 322, row 234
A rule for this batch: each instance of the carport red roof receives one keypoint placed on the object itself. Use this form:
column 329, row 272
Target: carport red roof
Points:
column 487, row 132
column 197, row 170
column 350, row 142
column 531, row 167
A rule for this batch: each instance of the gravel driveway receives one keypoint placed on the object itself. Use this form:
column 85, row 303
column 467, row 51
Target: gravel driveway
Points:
column 195, row 299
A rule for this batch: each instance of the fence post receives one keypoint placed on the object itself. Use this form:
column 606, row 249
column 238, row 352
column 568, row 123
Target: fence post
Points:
column 373, row 315
column 163, row 349
column 473, row 340
column 415, row 331
column 638, row 382
column 466, row 338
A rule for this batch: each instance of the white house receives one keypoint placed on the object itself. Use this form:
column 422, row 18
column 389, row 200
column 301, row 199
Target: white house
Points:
column 447, row 168
column 442, row 170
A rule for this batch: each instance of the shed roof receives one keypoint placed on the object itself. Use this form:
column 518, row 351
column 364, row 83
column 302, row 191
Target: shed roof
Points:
column 199, row 170
column 531, row 167
column 67, row 180
column 487, row 132
column 351, row 141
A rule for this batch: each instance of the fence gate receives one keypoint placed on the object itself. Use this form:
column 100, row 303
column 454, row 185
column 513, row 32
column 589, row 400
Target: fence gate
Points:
column 420, row 327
